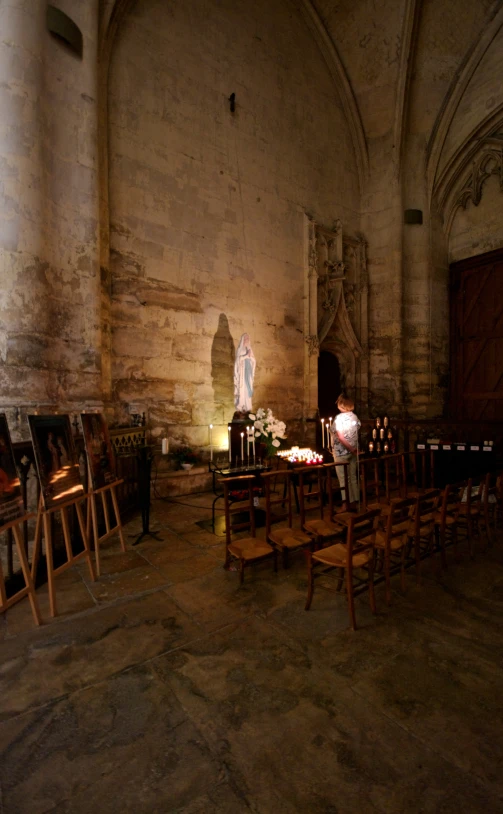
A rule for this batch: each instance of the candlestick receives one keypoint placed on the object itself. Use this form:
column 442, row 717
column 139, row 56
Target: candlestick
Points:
column 248, row 446
column 253, row 444
column 242, row 446
column 322, row 433
column 164, row 446
column 229, row 433
column 211, row 442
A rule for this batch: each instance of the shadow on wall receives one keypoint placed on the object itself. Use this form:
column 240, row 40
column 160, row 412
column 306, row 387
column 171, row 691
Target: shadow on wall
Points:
column 222, row 366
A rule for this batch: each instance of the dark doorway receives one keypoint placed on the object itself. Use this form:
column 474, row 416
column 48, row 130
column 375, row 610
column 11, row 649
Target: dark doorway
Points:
column 329, row 383
column 477, row 338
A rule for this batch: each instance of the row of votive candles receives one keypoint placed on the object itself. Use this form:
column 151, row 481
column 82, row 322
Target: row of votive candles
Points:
column 298, row 455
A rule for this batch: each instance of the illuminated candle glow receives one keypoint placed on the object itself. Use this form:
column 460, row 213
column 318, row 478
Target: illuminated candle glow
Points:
column 230, row 451
column 242, row 446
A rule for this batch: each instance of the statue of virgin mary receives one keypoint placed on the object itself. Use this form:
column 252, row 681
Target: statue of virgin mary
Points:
column 244, row 371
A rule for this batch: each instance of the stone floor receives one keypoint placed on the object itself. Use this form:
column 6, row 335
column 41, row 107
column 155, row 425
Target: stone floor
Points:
column 166, row 687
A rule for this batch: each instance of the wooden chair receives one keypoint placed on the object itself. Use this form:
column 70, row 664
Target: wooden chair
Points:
column 392, row 540
column 373, row 492
column 423, row 526
column 278, row 508
column 311, row 499
column 489, row 501
column 246, row 550
column 469, row 510
column 393, row 488
column 333, row 488
column 370, row 482
column 356, row 553
column 446, row 522
column 417, row 472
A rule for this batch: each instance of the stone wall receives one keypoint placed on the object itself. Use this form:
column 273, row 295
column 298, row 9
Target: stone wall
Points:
column 50, row 323
column 207, row 206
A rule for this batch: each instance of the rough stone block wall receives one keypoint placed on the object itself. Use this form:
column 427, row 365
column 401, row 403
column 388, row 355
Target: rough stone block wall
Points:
column 49, row 299
column 207, row 207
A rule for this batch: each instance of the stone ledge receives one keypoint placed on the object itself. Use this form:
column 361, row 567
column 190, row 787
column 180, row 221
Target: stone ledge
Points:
column 176, row 482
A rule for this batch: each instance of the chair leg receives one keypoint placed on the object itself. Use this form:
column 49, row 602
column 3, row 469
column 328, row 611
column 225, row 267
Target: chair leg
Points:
column 417, row 550
column 402, row 569
column 372, row 596
column 351, row 598
column 387, row 576
column 241, row 571
column 443, row 553
column 275, row 558
column 310, row 580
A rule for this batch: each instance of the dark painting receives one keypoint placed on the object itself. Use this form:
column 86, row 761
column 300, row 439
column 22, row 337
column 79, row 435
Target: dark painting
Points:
column 99, row 450
column 56, row 459
column 11, row 499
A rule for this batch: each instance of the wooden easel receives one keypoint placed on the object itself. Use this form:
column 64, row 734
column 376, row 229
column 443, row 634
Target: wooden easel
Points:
column 29, row 589
column 44, row 522
column 92, row 513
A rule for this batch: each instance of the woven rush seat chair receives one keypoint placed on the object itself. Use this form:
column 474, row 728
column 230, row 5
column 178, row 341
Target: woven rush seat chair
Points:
column 373, row 496
column 446, row 522
column 392, row 539
column 239, row 516
column 278, row 508
column 422, row 527
column 344, row 558
column 469, row 511
column 322, row 530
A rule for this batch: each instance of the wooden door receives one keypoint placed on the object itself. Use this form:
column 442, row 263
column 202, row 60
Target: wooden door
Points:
column 477, row 338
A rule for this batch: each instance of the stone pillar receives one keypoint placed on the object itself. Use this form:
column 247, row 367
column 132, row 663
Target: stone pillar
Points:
column 24, row 316
column 50, row 332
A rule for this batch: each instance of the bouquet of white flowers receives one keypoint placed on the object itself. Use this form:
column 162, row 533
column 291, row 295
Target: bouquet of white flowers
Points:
column 268, row 429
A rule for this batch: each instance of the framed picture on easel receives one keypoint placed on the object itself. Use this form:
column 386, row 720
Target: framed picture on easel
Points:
column 11, row 498
column 56, row 459
column 100, row 454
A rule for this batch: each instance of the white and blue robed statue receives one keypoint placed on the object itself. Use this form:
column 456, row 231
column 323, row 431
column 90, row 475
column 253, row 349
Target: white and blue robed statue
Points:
column 244, row 371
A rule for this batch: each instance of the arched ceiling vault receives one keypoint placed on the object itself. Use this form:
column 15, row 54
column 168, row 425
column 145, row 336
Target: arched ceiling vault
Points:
column 381, row 51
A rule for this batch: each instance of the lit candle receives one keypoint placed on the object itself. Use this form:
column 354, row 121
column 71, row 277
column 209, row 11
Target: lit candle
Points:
column 386, row 447
column 381, row 434
column 378, row 422
column 371, row 446
column 253, row 443
column 242, row 446
column 374, row 434
column 385, row 421
column 230, row 451
column 329, row 435
column 390, row 434
column 165, row 446
column 322, row 432
column 211, row 442
column 248, row 446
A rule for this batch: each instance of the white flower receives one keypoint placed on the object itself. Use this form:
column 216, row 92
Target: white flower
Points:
column 252, row 416
column 275, row 443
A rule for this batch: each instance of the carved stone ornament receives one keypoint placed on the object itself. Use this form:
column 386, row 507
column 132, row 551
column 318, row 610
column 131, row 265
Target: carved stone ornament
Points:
column 313, row 345
column 489, row 163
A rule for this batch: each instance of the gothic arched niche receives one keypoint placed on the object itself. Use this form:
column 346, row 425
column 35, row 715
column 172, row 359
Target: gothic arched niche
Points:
column 342, row 306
